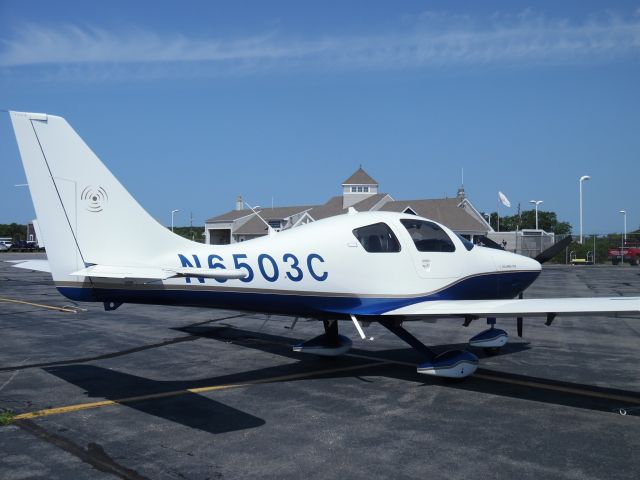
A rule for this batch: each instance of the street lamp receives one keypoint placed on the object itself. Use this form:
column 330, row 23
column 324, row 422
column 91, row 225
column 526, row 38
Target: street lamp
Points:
column 536, row 203
column 624, row 236
column 582, row 179
column 624, row 214
column 172, row 214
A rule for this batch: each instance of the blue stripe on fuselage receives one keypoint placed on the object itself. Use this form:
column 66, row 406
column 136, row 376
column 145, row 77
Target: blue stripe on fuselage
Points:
column 489, row 286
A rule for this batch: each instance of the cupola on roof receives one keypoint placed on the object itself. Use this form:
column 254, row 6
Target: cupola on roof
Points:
column 360, row 177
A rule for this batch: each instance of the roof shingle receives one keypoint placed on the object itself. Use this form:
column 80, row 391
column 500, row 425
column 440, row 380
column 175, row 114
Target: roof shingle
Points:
column 334, row 206
column 442, row 210
column 360, row 177
column 277, row 213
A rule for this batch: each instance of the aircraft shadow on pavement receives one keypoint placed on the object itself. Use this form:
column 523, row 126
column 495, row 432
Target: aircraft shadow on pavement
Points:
column 189, row 409
column 525, row 387
column 203, row 413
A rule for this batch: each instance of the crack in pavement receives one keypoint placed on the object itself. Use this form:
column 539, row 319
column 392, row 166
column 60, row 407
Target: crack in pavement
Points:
column 94, row 454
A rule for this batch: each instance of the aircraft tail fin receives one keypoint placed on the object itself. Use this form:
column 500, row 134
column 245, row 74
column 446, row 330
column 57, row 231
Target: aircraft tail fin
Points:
column 85, row 214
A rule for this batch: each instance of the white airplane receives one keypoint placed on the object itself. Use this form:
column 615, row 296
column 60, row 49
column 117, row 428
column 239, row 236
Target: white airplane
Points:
column 362, row 267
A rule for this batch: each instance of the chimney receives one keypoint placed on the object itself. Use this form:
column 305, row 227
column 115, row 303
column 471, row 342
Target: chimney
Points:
column 239, row 203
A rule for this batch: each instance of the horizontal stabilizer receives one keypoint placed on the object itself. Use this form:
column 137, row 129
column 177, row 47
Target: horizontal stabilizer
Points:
column 533, row 307
column 209, row 273
column 37, row 265
column 156, row 273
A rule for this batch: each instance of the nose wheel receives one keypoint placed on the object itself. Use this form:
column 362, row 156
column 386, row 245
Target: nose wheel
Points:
column 453, row 364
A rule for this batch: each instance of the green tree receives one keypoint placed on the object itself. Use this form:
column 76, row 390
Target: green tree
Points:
column 14, row 231
column 192, row 233
column 547, row 221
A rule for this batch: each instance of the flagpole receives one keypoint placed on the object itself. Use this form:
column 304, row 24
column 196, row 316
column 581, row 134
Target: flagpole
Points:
column 498, row 214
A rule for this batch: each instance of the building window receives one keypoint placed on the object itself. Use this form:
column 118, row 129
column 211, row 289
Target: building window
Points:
column 353, row 189
column 365, row 189
column 428, row 237
column 359, row 189
column 275, row 224
column 377, row 238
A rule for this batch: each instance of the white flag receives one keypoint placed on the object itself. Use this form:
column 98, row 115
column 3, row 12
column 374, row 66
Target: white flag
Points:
column 503, row 199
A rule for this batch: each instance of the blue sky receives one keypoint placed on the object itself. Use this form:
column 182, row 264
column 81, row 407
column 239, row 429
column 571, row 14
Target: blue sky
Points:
column 192, row 103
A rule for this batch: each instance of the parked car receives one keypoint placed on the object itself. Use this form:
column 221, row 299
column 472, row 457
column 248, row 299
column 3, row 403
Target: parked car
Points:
column 24, row 246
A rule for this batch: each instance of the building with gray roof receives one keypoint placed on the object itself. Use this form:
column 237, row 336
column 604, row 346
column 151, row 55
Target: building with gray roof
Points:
column 359, row 191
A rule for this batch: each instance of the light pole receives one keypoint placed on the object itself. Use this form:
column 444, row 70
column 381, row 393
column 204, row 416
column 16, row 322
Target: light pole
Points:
column 536, row 203
column 624, row 237
column 172, row 214
column 582, row 179
column 624, row 214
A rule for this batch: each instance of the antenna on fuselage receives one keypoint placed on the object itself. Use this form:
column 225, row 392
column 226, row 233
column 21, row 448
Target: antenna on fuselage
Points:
column 254, row 210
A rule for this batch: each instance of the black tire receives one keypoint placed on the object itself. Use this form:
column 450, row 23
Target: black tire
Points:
column 635, row 261
column 615, row 261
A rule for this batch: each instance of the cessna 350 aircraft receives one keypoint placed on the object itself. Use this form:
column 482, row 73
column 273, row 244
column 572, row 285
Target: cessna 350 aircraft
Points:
column 362, row 267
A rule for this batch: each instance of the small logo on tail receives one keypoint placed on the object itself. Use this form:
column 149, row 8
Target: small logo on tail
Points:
column 94, row 198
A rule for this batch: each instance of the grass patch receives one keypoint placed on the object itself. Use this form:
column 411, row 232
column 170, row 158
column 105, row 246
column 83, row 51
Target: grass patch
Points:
column 6, row 417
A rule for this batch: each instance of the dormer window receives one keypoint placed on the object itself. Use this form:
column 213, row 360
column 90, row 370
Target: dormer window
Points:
column 357, row 187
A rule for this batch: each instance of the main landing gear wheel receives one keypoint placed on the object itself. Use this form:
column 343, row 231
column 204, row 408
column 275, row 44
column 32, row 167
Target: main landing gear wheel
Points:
column 329, row 344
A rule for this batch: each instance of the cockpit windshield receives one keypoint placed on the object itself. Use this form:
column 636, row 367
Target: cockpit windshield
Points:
column 428, row 236
column 467, row 244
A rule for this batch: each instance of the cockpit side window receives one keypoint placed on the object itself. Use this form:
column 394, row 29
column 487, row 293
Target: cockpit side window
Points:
column 377, row 238
column 428, row 237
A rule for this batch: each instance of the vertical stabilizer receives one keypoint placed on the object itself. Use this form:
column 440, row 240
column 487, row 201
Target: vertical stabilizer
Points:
column 85, row 215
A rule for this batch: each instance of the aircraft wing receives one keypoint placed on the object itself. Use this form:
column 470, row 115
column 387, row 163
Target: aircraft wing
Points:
column 37, row 265
column 156, row 273
column 532, row 307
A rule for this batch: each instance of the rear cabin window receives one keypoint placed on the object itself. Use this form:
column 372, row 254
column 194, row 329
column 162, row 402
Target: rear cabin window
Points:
column 378, row 238
column 428, row 236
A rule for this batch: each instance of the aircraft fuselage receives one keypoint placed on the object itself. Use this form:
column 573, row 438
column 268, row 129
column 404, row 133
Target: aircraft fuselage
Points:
column 324, row 268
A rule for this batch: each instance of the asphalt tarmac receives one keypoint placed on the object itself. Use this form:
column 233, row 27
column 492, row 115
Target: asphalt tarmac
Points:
column 179, row 393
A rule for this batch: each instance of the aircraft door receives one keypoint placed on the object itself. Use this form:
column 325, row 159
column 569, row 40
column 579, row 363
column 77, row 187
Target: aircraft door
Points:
column 434, row 255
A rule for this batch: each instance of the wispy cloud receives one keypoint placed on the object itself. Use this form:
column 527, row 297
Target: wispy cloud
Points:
column 432, row 40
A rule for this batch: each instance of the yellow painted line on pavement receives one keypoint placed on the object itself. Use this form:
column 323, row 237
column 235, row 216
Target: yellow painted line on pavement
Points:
column 175, row 393
column 527, row 383
column 50, row 307
column 560, row 388
column 377, row 361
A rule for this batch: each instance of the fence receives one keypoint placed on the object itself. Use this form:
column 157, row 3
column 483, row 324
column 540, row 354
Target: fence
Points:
column 525, row 242
column 593, row 250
